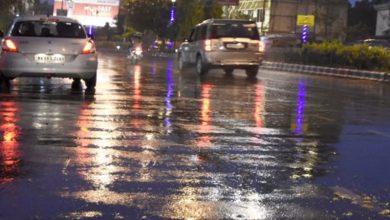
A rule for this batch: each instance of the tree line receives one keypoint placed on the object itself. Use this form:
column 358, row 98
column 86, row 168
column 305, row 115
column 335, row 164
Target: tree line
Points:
column 153, row 16
column 12, row 8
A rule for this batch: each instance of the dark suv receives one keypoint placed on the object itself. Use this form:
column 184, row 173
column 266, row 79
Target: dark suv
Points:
column 226, row 44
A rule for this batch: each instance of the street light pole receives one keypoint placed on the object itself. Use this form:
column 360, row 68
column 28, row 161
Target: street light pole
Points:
column 172, row 20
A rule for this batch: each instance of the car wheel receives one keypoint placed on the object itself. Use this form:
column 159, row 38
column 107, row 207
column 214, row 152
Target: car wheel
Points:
column 76, row 84
column 200, row 67
column 251, row 72
column 5, row 81
column 90, row 83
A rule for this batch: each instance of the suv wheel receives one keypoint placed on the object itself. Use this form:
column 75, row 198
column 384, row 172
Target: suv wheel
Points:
column 251, row 72
column 5, row 81
column 90, row 83
column 200, row 67
column 76, row 84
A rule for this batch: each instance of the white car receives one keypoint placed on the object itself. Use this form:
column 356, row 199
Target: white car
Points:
column 41, row 46
column 223, row 43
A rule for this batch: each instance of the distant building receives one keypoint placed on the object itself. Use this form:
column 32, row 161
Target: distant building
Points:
column 383, row 20
column 281, row 16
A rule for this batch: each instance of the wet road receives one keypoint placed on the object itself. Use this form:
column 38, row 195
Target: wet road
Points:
column 152, row 143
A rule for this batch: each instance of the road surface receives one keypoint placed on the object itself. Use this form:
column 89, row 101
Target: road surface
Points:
column 154, row 143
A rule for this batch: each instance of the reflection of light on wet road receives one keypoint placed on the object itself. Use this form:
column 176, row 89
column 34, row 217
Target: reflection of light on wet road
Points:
column 95, row 137
column 203, row 203
column 300, row 108
column 153, row 69
column 205, row 119
column 101, row 158
column 9, row 148
column 168, row 104
column 259, row 105
column 213, row 165
column 137, row 87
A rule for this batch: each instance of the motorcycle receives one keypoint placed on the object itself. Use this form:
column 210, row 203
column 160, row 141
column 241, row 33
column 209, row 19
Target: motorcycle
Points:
column 135, row 55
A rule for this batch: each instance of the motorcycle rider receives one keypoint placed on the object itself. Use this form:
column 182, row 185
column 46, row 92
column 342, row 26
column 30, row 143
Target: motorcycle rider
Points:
column 135, row 43
column 135, row 50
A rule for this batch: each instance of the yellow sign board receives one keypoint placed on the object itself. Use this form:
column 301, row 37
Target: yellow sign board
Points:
column 305, row 20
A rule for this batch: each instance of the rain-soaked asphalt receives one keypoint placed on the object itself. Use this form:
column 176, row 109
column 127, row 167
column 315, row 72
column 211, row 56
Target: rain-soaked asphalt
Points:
column 152, row 143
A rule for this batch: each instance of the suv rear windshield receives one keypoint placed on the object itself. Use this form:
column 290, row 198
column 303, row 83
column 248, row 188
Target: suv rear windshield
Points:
column 248, row 30
column 48, row 29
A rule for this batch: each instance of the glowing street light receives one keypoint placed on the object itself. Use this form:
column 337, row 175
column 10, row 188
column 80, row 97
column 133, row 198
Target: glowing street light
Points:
column 173, row 12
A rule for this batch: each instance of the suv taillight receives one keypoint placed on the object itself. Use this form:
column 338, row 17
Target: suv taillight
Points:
column 261, row 46
column 207, row 45
column 89, row 47
column 9, row 46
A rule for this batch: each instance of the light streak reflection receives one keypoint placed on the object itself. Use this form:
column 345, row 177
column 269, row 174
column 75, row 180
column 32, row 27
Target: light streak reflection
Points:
column 10, row 155
column 168, row 104
column 259, row 105
column 301, row 102
column 97, row 134
column 137, row 87
column 205, row 118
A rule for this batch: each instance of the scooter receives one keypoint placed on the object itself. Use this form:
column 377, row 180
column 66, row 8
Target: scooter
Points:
column 135, row 55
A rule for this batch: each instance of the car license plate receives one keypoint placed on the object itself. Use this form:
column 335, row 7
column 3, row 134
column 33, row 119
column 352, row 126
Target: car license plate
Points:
column 46, row 59
column 235, row 46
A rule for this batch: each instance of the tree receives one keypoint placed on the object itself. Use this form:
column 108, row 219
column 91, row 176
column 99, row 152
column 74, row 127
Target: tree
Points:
column 154, row 16
column 148, row 16
column 212, row 9
column 189, row 13
column 330, row 20
column 361, row 20
column 10, row 8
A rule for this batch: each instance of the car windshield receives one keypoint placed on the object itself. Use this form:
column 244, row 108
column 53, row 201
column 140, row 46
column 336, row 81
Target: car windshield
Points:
column 48, row 29
column 235, row 30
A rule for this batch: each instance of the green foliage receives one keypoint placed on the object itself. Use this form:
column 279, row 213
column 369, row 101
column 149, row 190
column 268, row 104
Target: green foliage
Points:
column 336, row 54
column 362, row 20
column 153, row 16
column 189, row 13
column 9, row 8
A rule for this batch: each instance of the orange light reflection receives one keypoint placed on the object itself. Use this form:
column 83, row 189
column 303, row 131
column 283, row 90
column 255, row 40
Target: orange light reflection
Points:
column 10, row 155
column 259, row 105
column 137, row 123
column 137, row 87
column 205, row 119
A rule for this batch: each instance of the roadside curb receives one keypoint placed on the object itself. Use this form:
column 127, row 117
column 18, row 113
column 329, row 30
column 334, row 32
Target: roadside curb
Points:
column 307, row 69
column 328, row 71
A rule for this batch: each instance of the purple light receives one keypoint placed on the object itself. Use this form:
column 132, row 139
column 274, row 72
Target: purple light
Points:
column 304, row 34
column 168, row 104
column 90, row 30
column 173, row 13
column 300, row 108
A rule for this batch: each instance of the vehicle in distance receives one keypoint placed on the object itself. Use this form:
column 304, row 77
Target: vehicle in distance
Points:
column 280, row 40
column 221, row 43
column 41, row 46
column 376, row 43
